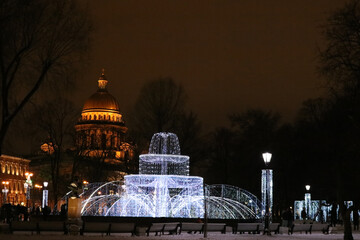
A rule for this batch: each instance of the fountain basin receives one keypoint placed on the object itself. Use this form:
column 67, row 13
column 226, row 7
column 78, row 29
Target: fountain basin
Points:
column 163, row 196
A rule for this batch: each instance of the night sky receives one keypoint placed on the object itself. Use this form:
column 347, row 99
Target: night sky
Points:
column 228, row 55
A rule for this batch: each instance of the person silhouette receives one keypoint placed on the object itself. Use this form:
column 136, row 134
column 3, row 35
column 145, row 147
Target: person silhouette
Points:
column 303, row 214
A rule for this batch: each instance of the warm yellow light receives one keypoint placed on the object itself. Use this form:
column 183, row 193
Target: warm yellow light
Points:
column 29, row 174
column 5, row 182
column 48, row 148
column 38, row 186
column 104, row 115
column 85, row 182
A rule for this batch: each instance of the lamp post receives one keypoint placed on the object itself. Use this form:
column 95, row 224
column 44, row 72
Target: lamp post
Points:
column 28, row 186
column 38, row 194
column 307, row 201
column 5, row 190
column 45, row 195
column 267, row 191
column 85, row 185
column 205, row 213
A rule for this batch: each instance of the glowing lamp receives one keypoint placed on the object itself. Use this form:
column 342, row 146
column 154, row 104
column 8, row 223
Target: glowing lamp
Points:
column 307, row 187
column 45, row 184
column 267, row 157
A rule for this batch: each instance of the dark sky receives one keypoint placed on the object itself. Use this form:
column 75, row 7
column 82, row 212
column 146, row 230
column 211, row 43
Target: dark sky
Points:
column 229, row 55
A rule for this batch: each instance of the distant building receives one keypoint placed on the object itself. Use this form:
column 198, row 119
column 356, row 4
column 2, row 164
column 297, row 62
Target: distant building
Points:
column 100, row 131
column 12, row 179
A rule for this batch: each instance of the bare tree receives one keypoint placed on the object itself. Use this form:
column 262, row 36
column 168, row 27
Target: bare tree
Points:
column 158, row 108
column 55, row 120
column 340, row 64
column 222, row 149
column 340, row 60
column 39, row 40
column 161, row 107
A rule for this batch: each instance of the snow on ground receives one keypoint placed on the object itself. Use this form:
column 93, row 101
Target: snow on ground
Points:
column 186, row 236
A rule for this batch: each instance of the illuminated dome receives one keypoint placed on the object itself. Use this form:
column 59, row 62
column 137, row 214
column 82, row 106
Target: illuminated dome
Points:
column 101, row 106
column 102, row 99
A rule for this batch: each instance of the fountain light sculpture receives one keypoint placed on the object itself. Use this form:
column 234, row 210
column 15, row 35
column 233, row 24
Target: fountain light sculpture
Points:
column 163, row 188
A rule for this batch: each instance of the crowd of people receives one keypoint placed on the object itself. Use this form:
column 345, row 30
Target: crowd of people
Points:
column 19, row 212
column 287, row 217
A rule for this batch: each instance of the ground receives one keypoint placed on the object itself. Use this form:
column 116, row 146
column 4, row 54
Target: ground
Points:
column 211, row 236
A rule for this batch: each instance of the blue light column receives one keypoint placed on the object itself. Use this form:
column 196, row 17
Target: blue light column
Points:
column 267, row 192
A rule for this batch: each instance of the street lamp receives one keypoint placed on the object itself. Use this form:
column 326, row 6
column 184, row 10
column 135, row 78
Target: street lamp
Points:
column 205, row 213
column 38, row 194
column 307, row 200
column 28, row 186
column 5, row 190
column 45, row 195
column 85, row 185
column 267, row 191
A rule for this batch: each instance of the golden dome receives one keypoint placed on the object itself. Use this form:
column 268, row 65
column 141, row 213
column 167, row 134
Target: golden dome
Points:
column 102, row 100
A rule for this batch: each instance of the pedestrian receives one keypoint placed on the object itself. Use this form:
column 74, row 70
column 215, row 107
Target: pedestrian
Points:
column 333, row 215
column 285, row 218
column 291, row 218
column 303, row 214
column 321, row 216
column 356, row 218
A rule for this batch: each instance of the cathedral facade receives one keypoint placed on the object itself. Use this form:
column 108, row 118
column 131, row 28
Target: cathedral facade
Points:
column 101, row 131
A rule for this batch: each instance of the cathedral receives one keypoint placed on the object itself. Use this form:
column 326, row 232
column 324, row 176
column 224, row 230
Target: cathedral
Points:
column 101, row 131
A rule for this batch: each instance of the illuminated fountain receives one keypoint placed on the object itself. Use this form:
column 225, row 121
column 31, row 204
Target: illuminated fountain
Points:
column 163, row 188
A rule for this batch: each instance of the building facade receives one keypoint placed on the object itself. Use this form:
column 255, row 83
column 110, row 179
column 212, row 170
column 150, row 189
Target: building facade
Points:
column 101, row 131
column 12, row 179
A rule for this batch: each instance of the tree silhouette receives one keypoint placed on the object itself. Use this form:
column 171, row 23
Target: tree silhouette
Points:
column 54, row 124
column 39, row 41
column 158, row 107
column 340, row 64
